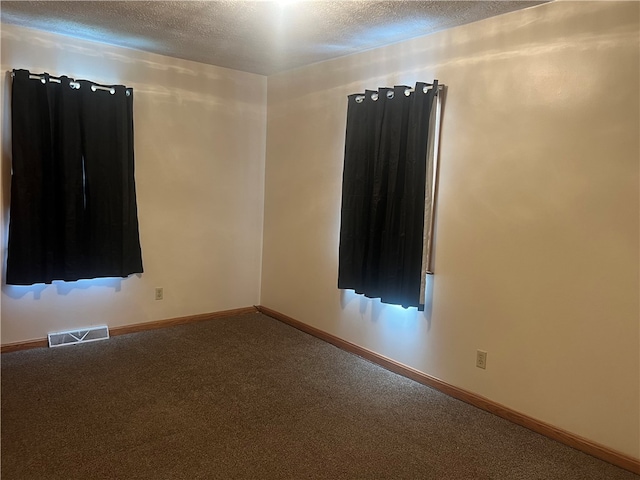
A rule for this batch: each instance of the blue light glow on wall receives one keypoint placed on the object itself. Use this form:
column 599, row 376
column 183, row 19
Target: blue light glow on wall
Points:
column 376, row 308
column 62, row 288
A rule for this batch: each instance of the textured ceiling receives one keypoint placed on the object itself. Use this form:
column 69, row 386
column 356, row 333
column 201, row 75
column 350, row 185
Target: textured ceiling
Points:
column 262, row 37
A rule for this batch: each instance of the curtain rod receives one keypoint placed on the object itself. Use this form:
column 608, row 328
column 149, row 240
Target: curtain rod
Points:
column 72, row 83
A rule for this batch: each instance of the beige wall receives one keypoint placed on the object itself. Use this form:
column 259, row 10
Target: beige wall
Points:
column 537, row 233
column 537, row 242
column 200, row 134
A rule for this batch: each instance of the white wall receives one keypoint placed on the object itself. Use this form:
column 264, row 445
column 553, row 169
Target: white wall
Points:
column 200, row 134
column 537, row 231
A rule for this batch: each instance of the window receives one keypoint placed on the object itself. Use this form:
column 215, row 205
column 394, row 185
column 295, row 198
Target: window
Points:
column 73, row 204
column 388, row 192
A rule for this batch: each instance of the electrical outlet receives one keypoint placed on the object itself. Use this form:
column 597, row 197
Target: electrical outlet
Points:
column 159, row 293
column 481, row 359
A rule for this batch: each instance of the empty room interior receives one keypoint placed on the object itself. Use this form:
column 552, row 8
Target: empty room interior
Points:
column 239, row 181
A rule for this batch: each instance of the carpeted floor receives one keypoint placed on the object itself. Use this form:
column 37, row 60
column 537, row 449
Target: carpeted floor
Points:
column 248, row 397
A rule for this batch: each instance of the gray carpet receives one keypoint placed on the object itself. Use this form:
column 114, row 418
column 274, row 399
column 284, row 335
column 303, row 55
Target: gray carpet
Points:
column 248, row 397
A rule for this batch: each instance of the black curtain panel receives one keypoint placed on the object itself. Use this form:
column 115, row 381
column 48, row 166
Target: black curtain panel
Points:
column 73, row 204
column 383, row 193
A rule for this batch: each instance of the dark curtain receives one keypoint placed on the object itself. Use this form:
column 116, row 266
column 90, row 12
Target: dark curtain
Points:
column 73, row 201
column 383, row 193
